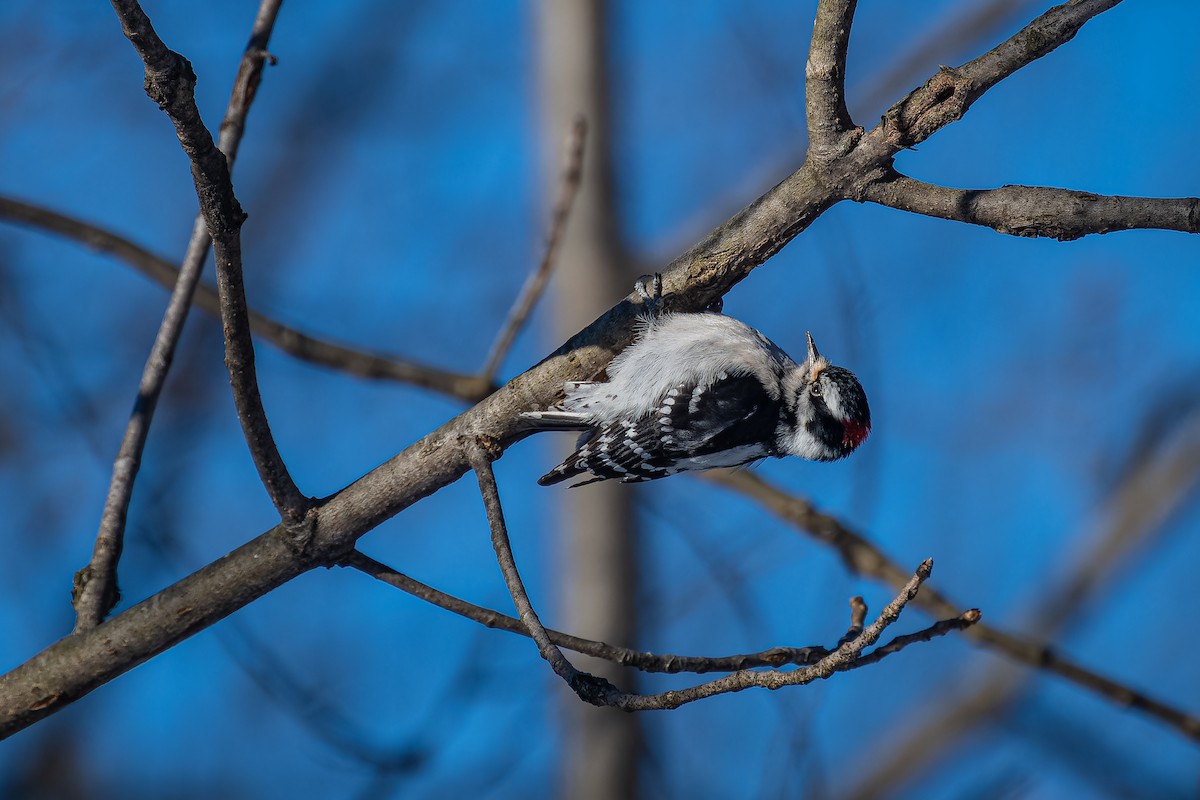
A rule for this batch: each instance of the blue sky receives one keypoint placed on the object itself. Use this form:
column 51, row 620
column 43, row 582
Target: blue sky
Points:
column 390, row 170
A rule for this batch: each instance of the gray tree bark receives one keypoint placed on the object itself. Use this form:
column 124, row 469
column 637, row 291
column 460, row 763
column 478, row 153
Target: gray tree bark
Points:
column 598, row 570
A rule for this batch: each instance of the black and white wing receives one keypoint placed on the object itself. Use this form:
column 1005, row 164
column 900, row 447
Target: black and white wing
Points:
column 726, row 423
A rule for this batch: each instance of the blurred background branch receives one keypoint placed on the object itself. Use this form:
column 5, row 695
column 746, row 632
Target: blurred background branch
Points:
column 352, row 361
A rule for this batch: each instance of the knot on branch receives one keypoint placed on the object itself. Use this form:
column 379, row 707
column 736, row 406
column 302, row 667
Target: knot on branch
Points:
column 1049, row 228
column 489, row 446
column 943, row 99
column 860, row 181
column 303, row 538
column 110, row 594
column 825, row 154
column 168, row 79
column 593, row 689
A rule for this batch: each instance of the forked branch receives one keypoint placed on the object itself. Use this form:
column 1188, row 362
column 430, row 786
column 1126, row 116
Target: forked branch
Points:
column 847, row 655
column 96, row 589
column 171, row 83
column 638, row 659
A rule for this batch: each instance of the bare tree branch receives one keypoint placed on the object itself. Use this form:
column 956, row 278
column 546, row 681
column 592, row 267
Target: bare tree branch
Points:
column 598, row 691
column 74, row 666
column 824, row 662
column 946, row 96
column 1037, row 210
column 531, row 292
column 588, row 687
column 964, row 24
column 171, row 83
column 471, row 388
column 825, row 78
column 96, row 589
column 845, row 657
column 644, row 661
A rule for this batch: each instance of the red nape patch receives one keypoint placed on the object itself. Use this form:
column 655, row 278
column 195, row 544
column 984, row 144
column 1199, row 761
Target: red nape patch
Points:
column 855, row 434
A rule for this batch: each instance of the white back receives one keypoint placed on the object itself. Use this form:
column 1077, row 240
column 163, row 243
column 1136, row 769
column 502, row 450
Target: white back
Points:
column 678, row 348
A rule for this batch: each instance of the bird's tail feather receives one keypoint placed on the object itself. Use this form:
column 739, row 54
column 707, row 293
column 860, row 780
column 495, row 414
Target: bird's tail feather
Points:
column 556, row 420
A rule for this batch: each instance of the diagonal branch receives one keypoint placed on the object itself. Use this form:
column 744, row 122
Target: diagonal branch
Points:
column 291, row 341
column 862, row 557
column 947, row 95
column 96, row 589
column 1037, row 210
column 171, row 83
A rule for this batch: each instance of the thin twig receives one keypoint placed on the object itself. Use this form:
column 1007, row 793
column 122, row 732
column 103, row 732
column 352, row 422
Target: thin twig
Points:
column 590, row 688
column 96, row 588
column 531, row 292
column 862, row 557
column 170, row 82
column 858, row 618
column 470, row 388
column 815, row 662
column 644, row 661
column 844, row 658
column 963, row 621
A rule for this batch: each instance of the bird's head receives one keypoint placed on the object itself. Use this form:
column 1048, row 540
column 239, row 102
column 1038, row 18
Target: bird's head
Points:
column 825, row 412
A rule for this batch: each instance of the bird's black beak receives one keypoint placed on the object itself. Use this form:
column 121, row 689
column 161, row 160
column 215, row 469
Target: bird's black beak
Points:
column 816, row 362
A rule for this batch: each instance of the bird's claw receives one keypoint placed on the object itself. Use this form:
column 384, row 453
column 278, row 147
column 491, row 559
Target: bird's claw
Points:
column 651, row 296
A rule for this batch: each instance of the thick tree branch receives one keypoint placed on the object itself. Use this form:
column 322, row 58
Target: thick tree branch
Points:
column 471, row 388
column 825, row 78
column 1037, row 210
column 947, row 95
column 171, row 83
column 96, row 589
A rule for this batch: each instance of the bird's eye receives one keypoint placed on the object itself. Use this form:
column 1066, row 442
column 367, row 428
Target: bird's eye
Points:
column 815, row 390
